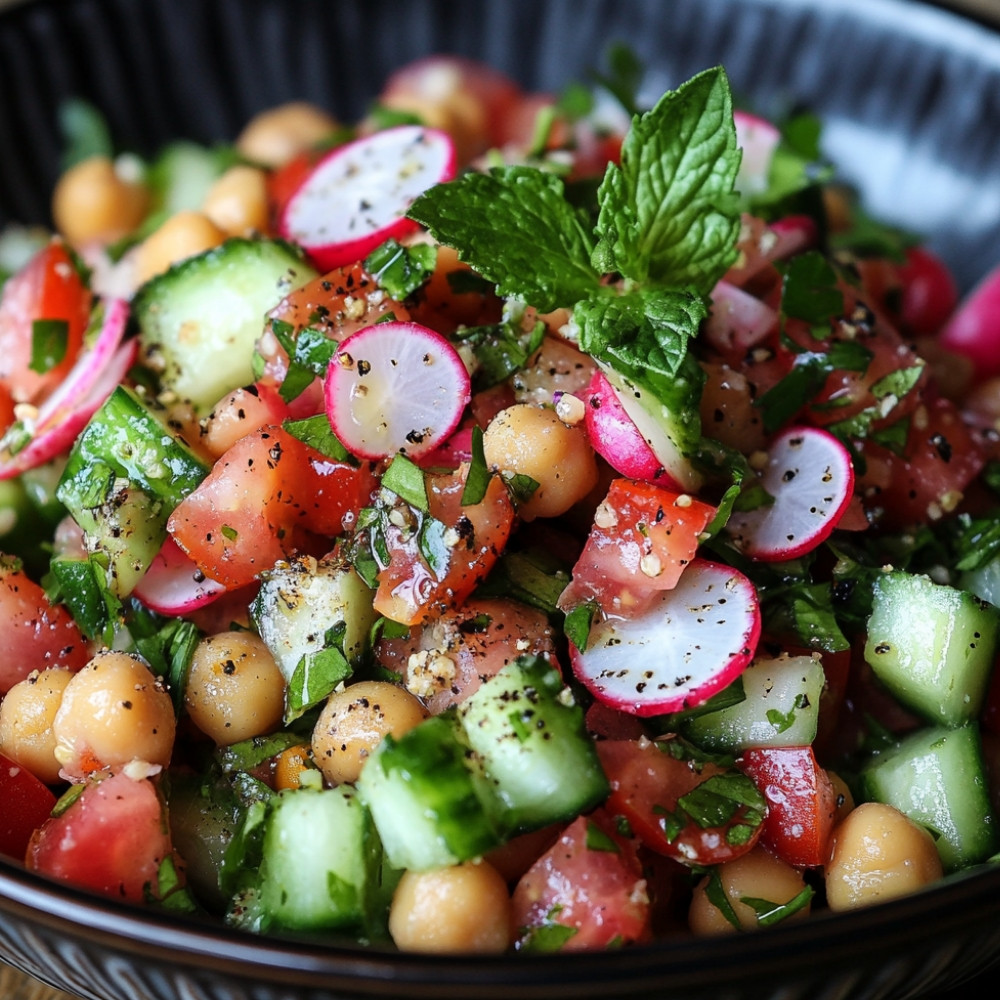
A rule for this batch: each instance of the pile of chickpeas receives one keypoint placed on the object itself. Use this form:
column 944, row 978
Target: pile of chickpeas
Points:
column 115, row 714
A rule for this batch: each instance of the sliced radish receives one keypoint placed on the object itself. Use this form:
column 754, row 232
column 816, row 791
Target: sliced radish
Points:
column 810, row 476
column 173, row 584
column 357, row 196
column 738, row 320
column 616, row 438
column 789, row 235
column 688, row 644
column 758, row 139
column 395, row 387
column 974, row 328
column 87, row 385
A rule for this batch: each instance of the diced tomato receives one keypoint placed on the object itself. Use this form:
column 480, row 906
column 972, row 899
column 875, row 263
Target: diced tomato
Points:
column 49, row 287
column 337, row 303
column 36, row 634
column 285, row 180
column 409, row 589
column 801, row 802
column 940, row 459
column 26, row 806
column 586, row 891
column 647, row 784
column 262, row 494
column 642, row 538
column 929, row 293
column 112, row 839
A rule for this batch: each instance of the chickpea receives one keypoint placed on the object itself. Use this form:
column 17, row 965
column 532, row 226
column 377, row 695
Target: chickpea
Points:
column 113, row 711
column 353, row 722
column 758, row 874
column 532, row 440
column 182, row 235
column 237, row 201
column 26, row 715
column 235, row 690
column 878, row 853
column 95, row 201
column 275, row 136
column 465, row 908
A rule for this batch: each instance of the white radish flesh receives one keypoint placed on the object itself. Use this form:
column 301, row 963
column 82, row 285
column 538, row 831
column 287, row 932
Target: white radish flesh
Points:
column 78, row 397
column 173, row 584
column 737, row 320
column 758, row 139
column 395, row 387
column 357, row 196
column 690, row 643
column 810, row 476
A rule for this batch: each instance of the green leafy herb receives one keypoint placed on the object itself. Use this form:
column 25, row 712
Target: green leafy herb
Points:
column 598, row 840
column 719, row 898
column 49, row 340
column 401, row 270
column 810, row 292
column 641, row 332
column 668, row 212
column 317, row 674
column 317, row 433
column 808, row 375
column 515, row 227
column 477, row 480
column 534, row 577
column 549, row 936
column 520, row 486
column 578, row 623
column 500, row 349
column 406, row 479
column 720, row 797
column 769, row 913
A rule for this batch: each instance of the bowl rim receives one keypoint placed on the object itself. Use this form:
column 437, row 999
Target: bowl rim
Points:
column 872, row 932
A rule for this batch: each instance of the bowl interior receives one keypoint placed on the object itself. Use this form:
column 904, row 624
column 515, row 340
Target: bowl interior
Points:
column 910, row 98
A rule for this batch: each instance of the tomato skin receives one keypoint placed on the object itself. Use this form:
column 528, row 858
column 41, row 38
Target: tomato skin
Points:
column 47, row 287
column 27, row 803
column 801, row 802
column 409, row 590
column 929, row 292
column 36, row 634
column 642, row 538
column 112, row 839
column 260, row 497
column 646, row 783
column 599, row 895
column 939, row 462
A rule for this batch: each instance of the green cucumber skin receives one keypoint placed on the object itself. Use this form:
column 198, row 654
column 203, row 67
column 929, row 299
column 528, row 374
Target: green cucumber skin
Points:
column 933, row 646
column 316, row 862
column 780, row 708
column 534, row 745
column 200, row 321
column 431, row 802
column 937, row 777
column 125, row 474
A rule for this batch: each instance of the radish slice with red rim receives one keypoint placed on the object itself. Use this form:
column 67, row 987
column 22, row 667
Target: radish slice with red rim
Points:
column 682, row 648
column 358, row 195
column 77, row 398
column 615, row 436
column 758, row 139
column 810, row 476
column 173, row 584
column 395, row 387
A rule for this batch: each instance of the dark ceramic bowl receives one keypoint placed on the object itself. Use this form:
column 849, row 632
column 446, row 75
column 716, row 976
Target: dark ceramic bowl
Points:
column 911, row 99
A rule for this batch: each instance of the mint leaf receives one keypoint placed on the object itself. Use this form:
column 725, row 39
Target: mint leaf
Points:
column 641, row 330
column 809, row 291
column 668, row 213
column 516, row 228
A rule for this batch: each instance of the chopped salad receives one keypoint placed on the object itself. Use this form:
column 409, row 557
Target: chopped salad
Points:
column 506, row 523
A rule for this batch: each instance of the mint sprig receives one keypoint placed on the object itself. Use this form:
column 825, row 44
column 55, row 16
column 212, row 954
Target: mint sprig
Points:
column 515, row 227
column 669, row 214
